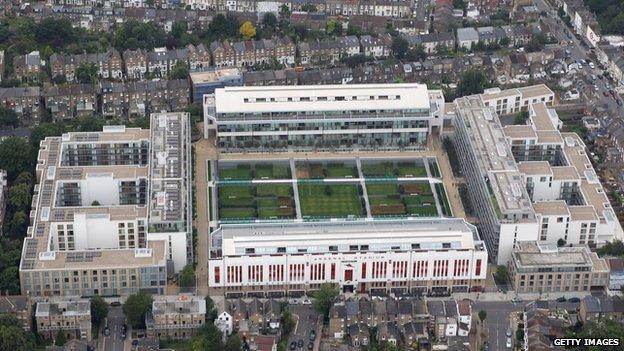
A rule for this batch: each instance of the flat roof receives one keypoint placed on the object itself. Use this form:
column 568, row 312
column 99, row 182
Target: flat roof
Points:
column 176, row 304
column 352, row 97
column 519, row 131
column 535, row 167
column 552, row 208
column 80, row 307
column 493, row 152
column 214, row 75
column 237, row 237
column 529, row 254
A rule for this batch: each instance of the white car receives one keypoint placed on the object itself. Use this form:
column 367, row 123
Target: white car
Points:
column 591, row 65
column 306, row 301
column 508, row 343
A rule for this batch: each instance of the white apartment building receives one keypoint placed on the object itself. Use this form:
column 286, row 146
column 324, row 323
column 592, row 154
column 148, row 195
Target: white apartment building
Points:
column 277, row 259
column 111, row 212
column 528, row 182
column 327, row 117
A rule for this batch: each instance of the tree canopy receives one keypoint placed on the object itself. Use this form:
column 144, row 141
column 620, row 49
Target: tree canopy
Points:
column 472, row 82
column 16, row 156
column 87, row 73
column 99, row 309
column 180, row 71
column 399, row 47
column 187, row 275
column 8, row 117
column 133, row 35
column 247, row 30
column 136, row 307
column 324, row 298
column 12, row 336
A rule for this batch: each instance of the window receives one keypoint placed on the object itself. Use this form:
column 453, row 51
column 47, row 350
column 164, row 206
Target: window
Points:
column 250, row 250
column 281, row 249
column 333, row 248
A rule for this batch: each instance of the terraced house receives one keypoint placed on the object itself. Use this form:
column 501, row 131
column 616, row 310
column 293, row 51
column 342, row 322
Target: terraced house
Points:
column 108, row 64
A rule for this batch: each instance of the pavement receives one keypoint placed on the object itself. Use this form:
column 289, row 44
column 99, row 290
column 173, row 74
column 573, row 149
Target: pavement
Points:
column 204, row 150
column 307, row 320
column 113, row 342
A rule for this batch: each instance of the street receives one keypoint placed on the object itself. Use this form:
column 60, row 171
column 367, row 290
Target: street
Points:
column 308, row 319
column 113, row 342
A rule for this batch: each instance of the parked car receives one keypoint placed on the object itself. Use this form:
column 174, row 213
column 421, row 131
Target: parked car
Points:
column 106, row 331
column 312, row 335
column 574, row 299
column 561, row 299
column 508, row 332
column 115, row 304
column 508, row 343
column 293, row 345
column 300, row 343
column 310, row 345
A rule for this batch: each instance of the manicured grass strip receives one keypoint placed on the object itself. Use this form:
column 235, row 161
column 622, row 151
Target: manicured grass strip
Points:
column 421, row 188
column 271, row 171
column 240, row 172
column 236, row 201
column 434, row 168
column 273, row 190
column 238, row 213
column 340, row 170
column 235, row 191
column 411, row 169
column 422, row 211
column 382, row 189
column 378, row 169
column 384, row 200
column 418, row 200
column 446, row 207
column 336, row 200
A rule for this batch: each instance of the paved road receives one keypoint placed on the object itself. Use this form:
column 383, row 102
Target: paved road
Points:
column 114, row 342
column 308, row 318
column 595, row 98
column 497, row 320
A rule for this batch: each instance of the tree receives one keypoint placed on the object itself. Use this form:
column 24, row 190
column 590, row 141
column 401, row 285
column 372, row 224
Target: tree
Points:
column 521, row 117
column 482, row 315
column 8, row 117
column 19, row 196
column 180, row 71
column 561, row 242
column 233, row 343
column 211, row 310
column 308, row 8
column 133, row 35
column 187, row 276
column 324, row 298
column 501, row 274
column 333, row 28
column 60, row 338
column 87, row 73
column 9, row 280
column 612, row 248
column 399, row 47
column 221, row 28
column 269, row 21
column 207, row 338
column 284, row 11
column 99, row 310
column 136, row 307
column 288, row 323
column 16, row 156
column 247, row 30
column 13, row 337
column 537, row 43
column 24, row 178
column 95, row 203
column 417, row 53
column 17, row 224
column 472, row 81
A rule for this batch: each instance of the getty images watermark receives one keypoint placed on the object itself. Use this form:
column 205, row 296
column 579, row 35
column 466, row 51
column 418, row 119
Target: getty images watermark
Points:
column 587, row 342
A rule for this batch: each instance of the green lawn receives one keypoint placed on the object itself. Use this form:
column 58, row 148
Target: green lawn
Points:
column 382, row 189
column 340, row 170
column 434, row 168
column 272, row 171
column 446, row 207
column 384, row 200
column 274, row 190
column 335, row 200
column 236, row 201
column 411, row 169
column 422, row 211
column 235, row 191
column 237, row 213
column 385, row 169
column 240, row 172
